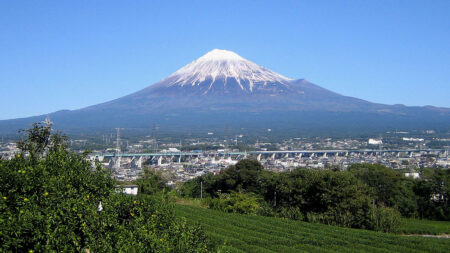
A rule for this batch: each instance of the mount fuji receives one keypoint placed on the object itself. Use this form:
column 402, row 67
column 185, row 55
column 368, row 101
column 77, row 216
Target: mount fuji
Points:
column 222, row 88
column 222, row 79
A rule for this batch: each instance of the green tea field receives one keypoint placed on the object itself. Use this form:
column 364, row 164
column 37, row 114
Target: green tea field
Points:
column 244, row 233
column 415, row 226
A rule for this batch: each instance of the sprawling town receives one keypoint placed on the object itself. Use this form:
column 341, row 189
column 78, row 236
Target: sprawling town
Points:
column 181, row 161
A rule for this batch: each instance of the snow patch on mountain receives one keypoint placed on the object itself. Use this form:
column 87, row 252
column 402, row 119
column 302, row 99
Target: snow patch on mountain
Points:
column 219, row 54
column 222, row 65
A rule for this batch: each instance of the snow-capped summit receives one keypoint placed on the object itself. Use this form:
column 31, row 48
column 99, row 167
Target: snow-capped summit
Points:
column 225, row 70
column 224, row 75
column 220, row 55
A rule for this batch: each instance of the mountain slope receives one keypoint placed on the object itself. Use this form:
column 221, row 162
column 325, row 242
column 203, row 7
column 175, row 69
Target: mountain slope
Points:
column 223, row 80
column 222, row 88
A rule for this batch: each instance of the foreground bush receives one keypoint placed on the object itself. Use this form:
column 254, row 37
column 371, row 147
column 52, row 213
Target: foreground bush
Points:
column 50, row 202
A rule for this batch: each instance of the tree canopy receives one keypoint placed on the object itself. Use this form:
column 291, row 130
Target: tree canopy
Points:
column 51, row 197
column 389, row 187
column 364, row 196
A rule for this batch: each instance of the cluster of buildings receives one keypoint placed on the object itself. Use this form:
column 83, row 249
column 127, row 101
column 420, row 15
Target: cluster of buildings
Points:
column 181, row 162
column 8, row 150
column 183, row 166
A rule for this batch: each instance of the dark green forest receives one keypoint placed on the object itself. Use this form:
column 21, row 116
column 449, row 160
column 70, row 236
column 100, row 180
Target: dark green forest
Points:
column 364, row 196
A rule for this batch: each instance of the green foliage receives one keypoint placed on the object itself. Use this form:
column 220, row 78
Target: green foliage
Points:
column 236, row 202
column 252, row 233
column 151, row 182
column 37, row 140
column 242, row 176
column 389, row 188
column 433, row 194
column 336, row 197
column 386, row 219
column 293, row 213
column 330, row 197
column 246, row 176
column 192, row 187
column 333, row 197
column 50, row 198
column 147, row 224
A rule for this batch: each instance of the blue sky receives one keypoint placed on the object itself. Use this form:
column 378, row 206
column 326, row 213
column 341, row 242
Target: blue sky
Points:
column 71, row 54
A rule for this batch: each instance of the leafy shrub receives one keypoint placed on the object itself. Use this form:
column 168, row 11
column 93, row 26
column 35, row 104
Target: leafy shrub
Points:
column 266, row 209
column 433, row 194
column 329, row 197
column 146, row 223
column 151, row 182
column 331, row 217
column 386, row 219
column 292, row 213
column 49, row 200
column 236, row 202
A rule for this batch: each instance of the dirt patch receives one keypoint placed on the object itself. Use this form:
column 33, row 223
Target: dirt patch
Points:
column 191, row 202
column 445, row 236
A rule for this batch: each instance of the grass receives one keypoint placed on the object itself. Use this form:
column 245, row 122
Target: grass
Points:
column 245, row 233
column 428, row 227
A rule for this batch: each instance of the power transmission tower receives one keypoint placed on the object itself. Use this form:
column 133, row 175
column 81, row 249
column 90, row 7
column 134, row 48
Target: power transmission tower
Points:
column 154, row 137
column 226, row 137
column 118, row 149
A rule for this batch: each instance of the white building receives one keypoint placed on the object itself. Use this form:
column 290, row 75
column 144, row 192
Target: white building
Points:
column 375, row 141
column 413, row 139
column 127, row 189
column 414, row 175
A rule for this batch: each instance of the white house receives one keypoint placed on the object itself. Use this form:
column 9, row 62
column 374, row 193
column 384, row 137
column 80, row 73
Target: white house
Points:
column 127, row 189
column 375, row 141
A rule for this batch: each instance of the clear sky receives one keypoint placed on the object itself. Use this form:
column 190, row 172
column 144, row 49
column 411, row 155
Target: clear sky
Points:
column 71, row 54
